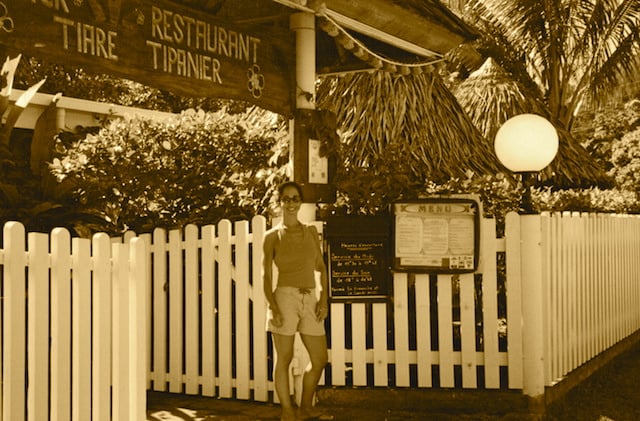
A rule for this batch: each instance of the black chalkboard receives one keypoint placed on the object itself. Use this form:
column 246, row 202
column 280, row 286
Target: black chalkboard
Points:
column 358, row 257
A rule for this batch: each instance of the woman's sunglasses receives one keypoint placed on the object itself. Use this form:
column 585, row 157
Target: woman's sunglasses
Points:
column 290, row 199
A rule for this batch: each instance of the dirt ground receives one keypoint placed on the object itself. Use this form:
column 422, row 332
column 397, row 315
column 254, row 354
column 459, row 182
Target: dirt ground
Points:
column 610, row 394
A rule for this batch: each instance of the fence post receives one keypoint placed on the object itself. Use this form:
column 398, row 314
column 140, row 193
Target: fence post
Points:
column 533, row 308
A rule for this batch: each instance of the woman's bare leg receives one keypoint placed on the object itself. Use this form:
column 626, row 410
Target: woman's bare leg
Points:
column 284, row 354
column 317, row 349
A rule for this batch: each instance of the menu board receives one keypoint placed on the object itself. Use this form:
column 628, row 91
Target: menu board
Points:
column 358, row 257
column 436, row 235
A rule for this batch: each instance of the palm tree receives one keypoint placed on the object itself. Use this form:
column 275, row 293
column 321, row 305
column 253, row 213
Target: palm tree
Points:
column 490, row 96
column 566, row 52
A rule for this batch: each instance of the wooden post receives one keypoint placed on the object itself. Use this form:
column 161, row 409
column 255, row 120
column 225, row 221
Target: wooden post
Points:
column 533, row 309
column 304, row 26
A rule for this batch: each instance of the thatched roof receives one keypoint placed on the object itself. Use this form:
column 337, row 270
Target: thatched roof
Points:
column 379, row 112
column 490, row 97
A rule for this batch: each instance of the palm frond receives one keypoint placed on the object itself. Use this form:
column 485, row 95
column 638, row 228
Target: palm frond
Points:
column 572, row 50
column 490, row 97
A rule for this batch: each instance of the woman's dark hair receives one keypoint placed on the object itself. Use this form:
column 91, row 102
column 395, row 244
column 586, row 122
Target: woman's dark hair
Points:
column 293, row 184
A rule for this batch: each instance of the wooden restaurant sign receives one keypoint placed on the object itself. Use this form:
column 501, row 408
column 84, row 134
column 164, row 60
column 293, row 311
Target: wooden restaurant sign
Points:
column 158, row 43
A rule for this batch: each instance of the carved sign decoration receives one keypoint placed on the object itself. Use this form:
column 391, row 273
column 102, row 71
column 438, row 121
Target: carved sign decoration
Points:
column 160, row 44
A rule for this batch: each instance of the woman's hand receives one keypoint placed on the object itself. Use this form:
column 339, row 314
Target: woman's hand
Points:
column 276, row 316
column 322, row 310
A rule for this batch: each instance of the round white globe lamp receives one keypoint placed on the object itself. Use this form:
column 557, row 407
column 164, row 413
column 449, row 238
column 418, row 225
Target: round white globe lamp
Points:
column 526, row 144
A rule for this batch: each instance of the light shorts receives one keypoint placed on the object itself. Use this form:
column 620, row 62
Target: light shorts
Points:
column 298, row 309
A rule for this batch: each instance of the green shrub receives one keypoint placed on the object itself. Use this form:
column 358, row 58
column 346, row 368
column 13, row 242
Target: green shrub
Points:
column 195, row 168
column 625, row 155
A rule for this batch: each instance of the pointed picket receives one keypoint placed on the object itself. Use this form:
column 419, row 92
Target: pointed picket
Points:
column 401, row 328
column 138, row 281
column 60, row 325
column 208, row 310
column 338, row 348
column 176, row 309
column 468, row 331
column 490, row 305
column 242, row 301
column 260, row 349
column 81, row 329
column 514, row 300
column 380, row 354
column 160, row 306
column 38, row 342
column 358, row 343
column 102, row 301
column 445, row 331
column 423, row 330
column 122, row 396
column 225, row 310
column 191, row 309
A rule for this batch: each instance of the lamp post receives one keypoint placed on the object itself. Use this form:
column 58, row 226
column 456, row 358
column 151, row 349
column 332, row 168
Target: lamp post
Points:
column 526, row 144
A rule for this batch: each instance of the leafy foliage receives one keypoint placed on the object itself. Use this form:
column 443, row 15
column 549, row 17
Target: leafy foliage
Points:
column 36, row 200
column 600, row 131
column 588, row 200
column 369, row 190
column 567, row 53
column 198, row 168
column 625, row 155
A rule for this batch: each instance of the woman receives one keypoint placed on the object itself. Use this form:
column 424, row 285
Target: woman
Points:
column 294, row 306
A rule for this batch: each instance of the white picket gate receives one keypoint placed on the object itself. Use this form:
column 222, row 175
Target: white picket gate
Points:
column 208, row 320
column 93, row 324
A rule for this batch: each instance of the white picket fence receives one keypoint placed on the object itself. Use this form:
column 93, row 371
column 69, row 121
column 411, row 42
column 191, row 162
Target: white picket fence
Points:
column 208, row 328
column 93, row 324
column 73, row 332
column 591, row 285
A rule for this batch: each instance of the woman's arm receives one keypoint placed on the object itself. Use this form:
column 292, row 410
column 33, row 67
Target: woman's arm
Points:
column 267, row 268
column 268, row 246
column 322, row 310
